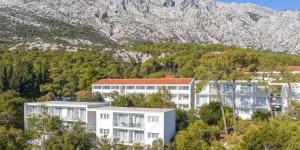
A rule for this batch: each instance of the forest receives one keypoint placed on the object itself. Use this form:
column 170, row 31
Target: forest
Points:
column 27, row 76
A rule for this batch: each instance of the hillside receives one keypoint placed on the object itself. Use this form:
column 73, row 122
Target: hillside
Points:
column 158, row 21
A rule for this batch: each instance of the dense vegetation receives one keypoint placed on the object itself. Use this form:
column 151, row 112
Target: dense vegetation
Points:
column 41, row 76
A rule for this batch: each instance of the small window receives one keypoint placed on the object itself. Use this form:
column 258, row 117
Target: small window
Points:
column 150, row 87
column 97, row 87
column 184, row 88
column 140, row 87
column 129, row 87
column 153, row 119
column 106, row 87
column 172, row 87
column 115, row 87
column 153, row 135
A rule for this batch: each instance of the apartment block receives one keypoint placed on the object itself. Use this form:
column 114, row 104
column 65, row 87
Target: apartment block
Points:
column 68, row 112
column 249, row 96
column 181, row 89
column 135, row 125
column 128, row 125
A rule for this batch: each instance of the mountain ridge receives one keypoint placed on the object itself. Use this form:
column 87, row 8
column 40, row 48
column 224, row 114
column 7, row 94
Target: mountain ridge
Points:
column 178, row 21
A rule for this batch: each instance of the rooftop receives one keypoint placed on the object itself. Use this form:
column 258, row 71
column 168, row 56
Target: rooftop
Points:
column 135, row 109
column 288, row 68
column 69, row 103
column 146, row 81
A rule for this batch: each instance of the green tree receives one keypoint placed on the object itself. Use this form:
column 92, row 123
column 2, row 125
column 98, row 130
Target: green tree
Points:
column 197, row 136
column 11, row 109
column 12, row 139
column 260, row 116
column 211, row 113
column 78, row 138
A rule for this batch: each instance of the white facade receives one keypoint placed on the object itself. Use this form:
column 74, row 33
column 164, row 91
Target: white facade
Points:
column 135, row 125
column 249, row 97
column 128, row 125
column 68, row 112
column 290, row 92
column 181, row 94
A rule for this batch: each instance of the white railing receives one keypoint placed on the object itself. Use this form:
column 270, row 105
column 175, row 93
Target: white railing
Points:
column 129, row 140
column 128, row 124
column 91, row 128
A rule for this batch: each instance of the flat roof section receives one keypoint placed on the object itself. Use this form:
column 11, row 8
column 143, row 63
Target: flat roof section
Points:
column 126, row 109
column 70, row 104
column 146, row 81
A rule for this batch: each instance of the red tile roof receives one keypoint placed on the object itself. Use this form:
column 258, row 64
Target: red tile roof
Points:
column 293, row 68
column 146, row 81
column 288, row 68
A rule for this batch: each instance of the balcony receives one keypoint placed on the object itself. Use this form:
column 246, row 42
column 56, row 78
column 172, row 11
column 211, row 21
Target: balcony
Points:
column 139, row 125
column 129, row 140
column 91, row 128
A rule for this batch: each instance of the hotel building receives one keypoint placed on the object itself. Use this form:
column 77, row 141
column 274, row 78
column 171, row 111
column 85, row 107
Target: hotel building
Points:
column 128, row 125
column 181, row 89
column 249, row 96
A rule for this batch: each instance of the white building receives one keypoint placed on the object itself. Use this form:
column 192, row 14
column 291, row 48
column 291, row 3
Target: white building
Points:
column 250, row 96
column 135, row 125
column 68, row 112
column 290, row 92
column 128, row 125
column 181, row 89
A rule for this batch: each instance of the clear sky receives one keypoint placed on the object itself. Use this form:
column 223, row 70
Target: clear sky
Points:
column 274, row 4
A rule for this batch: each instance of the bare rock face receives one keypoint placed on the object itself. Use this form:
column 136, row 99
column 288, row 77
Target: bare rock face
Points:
column 181, row 21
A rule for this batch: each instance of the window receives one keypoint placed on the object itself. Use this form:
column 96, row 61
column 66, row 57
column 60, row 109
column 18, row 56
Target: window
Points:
column 160, row 87
column 57, row 112
column 104, row 131
column 245, row 101
column 184, row 88
column 172, row 87
column 228, row 88
column 150, row 87
column 245, row 111
column 153, row 119
column 140, row 87
column 115, row 87
column 82, row 113
column 228, row 100
column 129, row 87
column 104, row 116
column 245, row 89
column 201, row 100
column 153, row 135
column 261, row 101
column 184, row 97
column 33, row 110
column 97, row 87
column 106, row 87
column 70, row 113
column 183, row 106
column 106, row 95
column 173, row 96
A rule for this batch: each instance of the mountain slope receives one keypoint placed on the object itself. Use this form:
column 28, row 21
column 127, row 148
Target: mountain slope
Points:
column 182, row 21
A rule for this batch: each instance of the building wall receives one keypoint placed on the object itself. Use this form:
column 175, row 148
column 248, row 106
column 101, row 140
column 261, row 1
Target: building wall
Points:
column 165, row 132
column 178, row 95
column 250, row 97
column 50, row 109
column 169, row 126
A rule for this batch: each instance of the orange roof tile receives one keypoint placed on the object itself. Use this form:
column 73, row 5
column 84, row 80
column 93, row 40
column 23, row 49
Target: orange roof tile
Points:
column 288, row 68
column 146, row 81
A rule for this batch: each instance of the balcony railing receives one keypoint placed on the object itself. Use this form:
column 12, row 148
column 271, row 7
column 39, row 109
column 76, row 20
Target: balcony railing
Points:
column 91, row 128
column 128, row 124
column 129, row 140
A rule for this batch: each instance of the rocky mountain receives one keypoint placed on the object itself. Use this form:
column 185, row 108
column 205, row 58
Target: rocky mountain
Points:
column 181, row 21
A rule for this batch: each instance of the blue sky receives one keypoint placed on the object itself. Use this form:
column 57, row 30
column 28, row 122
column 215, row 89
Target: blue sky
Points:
column 274, row 4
